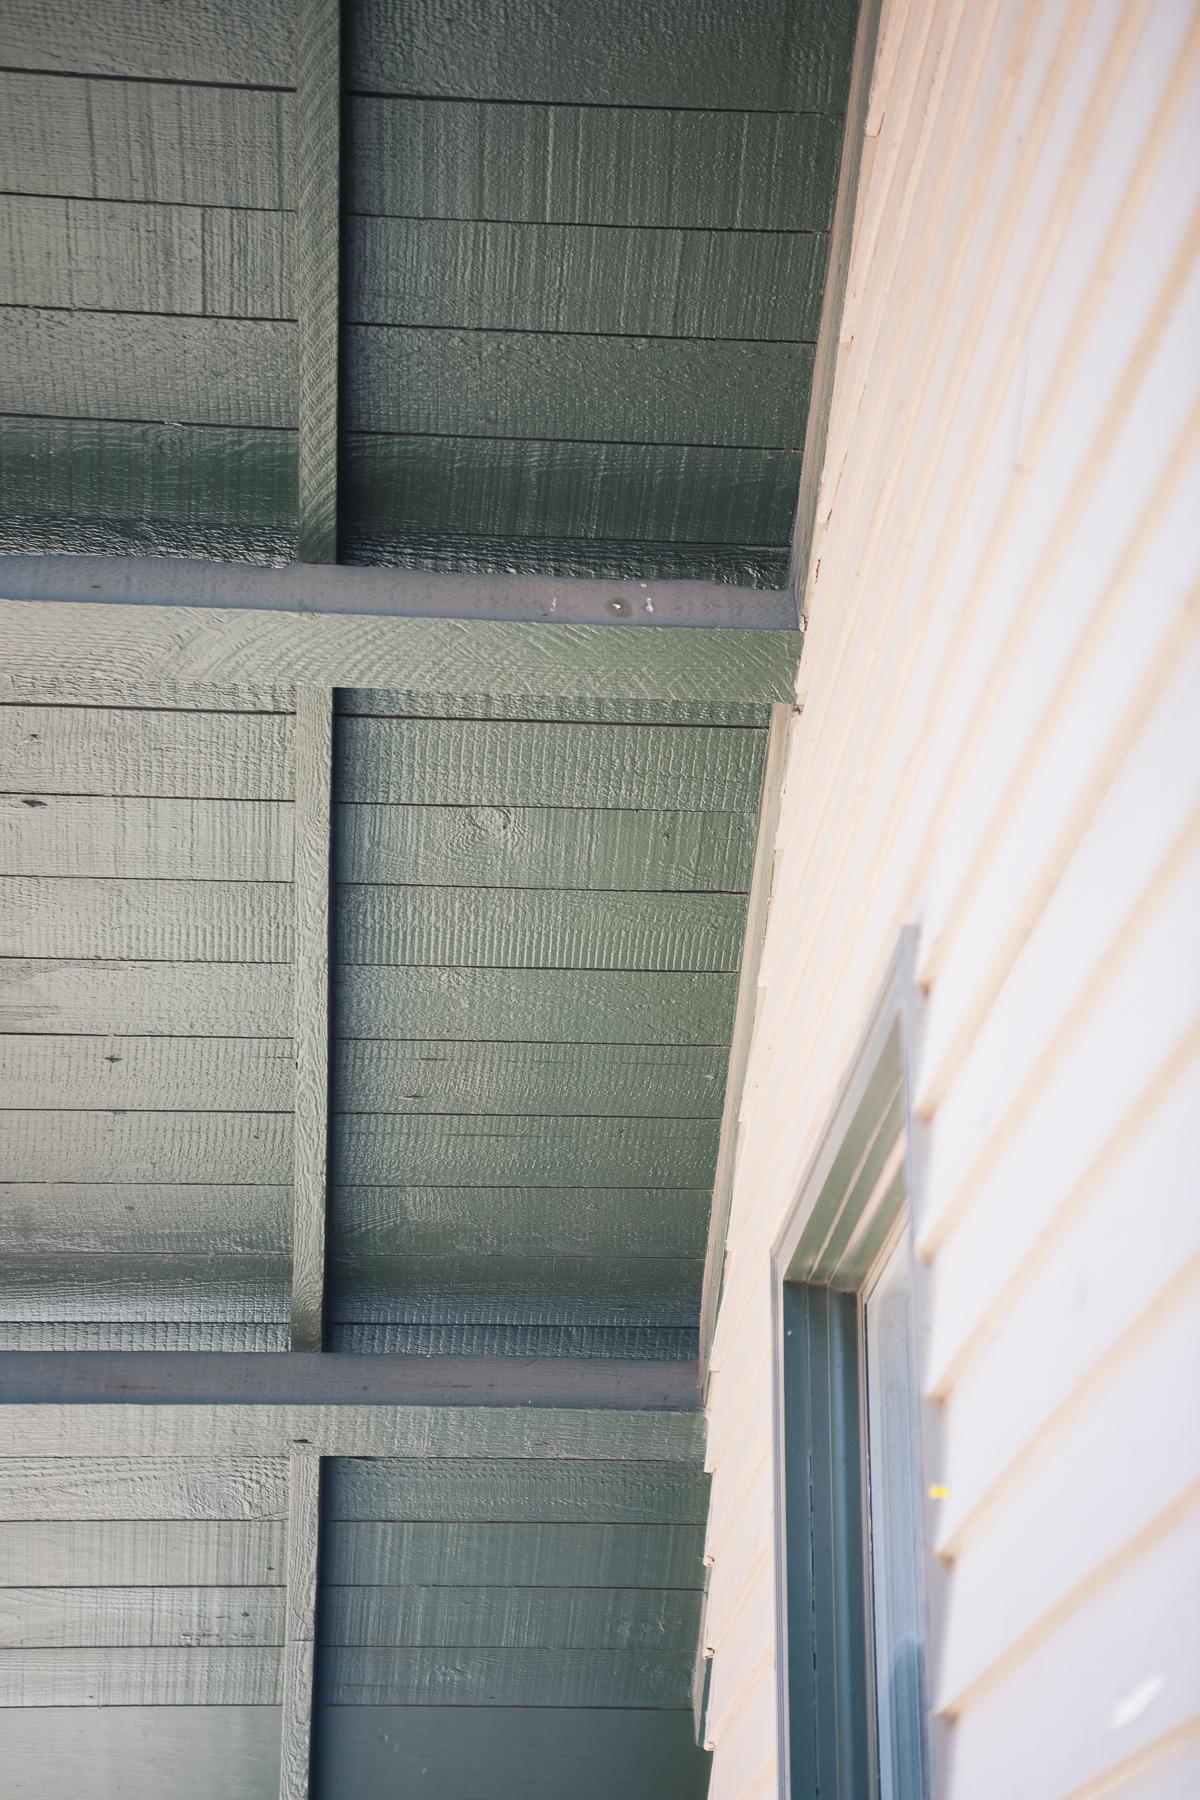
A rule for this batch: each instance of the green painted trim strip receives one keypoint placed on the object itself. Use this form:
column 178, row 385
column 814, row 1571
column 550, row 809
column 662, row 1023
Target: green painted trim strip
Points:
column 132, row 641
column 318, row 121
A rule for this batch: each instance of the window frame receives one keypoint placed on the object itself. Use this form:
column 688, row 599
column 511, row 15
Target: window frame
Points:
column 860, row 1188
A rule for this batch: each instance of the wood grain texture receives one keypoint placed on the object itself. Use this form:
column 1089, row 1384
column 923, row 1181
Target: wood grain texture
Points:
column 570, row 709
column 471, row 384
column 124, row 1617
column 142, row 1752
column 642, row 1344
column 755, row 569
column 158, row 1074
column 314, row 750
column 530, row 1556
column 101, row 1487
column 143, row 1555
column 495, row 1678
column 117, row 751
column 371, row 1221
column 94, row 254
column 465, row 1491
column 436, row 1150
column 122, row 366
column 517, row 1289
column 205, row 840
column 650, row 282
column 76, row 485
column 119, row 1336
column 545, row 1005
column 20, row 686
column 149, row 141
column 49, row 1145
column 304, row 1519
column 455, row 927
column 146, row 921
column 468, row 762
column 688, row 54
column 590, row 165
column 318, row 168
column 578, row 501
column 539, row 1079
column 491, row 846
column 222, row 41
column 174, row 1000
column 231, row 1676
column 149, row 643
column 241, row 1290
column 519, row 1618
column 73, row 1218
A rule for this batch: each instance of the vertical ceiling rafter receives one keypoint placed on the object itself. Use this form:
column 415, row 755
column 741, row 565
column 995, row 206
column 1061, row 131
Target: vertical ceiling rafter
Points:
column 318, row 117
column 300, row 1628
column 313, row 757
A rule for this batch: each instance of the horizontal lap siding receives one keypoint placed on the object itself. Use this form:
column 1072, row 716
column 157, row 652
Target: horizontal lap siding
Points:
column 997, row 741
column 147, row 1081
column 126, row 146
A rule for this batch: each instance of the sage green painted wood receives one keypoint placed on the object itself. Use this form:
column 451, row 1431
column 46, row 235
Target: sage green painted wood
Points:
column 207, row 840
column 318, row 169
column 299, row 1653
column 518, row 1618
column 515, row 1290
column 111, row 257
column 123, row 140
column 488, row 1150
column 741, row 566
column 20, row 686
column 42, row 1618
column 310, row 1042
column 639, row 1343
column 100, row 485
column 510, row 846
column 139, row 1487
column 48, row 1145
column 206, row 1335
column 592, row 709
column 142, row 1554
column 489, row 1753
column 148, row 921
column 162, row 1074
column 590, row 165
column 548, row 1005
column 72, row 1218
column 142, row 1752
column 621, row 1081
column 635, row 504
column 64, row 640
column 495, row 1678
column 636, row 282
column 513, row 1556
column 173, row 999
column 763, row 54
column 454, row 383
column 450, row 927
column 115, row 751
column 467, row 1491
column 222, row 41
column 469, row 762
column 371, row 1221
column 120, row 366
column 230, row 1676
column 225, row 1289
column 120, row 1428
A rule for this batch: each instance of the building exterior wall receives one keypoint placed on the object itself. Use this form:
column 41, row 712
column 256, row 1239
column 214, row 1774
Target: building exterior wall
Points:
column 997, row 740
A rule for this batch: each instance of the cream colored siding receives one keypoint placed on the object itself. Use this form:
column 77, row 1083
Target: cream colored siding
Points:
column 1000, row 740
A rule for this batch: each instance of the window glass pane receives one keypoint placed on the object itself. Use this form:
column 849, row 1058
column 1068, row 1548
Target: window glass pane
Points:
column 895, row 1512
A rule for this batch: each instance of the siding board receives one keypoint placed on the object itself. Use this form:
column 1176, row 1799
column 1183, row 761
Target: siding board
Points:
column 204, row 840
column 435, row 1150
column 112, row 751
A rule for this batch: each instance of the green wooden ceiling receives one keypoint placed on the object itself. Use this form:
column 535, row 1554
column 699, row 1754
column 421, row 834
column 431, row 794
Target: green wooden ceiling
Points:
column 582, row 258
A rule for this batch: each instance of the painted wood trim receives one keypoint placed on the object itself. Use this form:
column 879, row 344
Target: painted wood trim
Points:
column 400, row 593
column 313, row 755
column 60, row 639
column 511, row 1428
column 775, row 765
column 300, row 1628
column 318, row 131
column 333, row 1379
column 820, row 405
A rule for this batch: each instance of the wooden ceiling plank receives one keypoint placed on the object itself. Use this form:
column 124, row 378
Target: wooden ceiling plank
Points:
column 318, row 130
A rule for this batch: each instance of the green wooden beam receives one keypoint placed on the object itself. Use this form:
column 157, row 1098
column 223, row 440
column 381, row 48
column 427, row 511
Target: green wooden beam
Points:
column 313, row 752
column 318, row 120
column 300, row 1627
